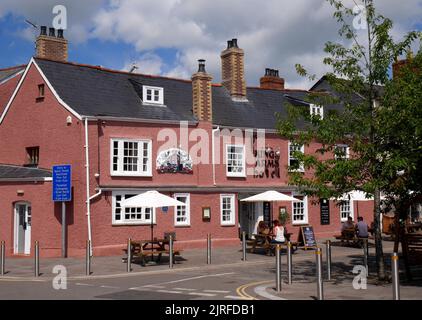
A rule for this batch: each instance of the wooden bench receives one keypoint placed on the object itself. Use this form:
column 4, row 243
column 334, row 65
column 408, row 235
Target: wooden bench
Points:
column 414, row 247
column 350, row 240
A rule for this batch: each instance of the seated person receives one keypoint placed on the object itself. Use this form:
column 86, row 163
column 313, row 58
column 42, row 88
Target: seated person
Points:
column 348, row 228
column 263, row 228
column 278, row 233
column 362, row 228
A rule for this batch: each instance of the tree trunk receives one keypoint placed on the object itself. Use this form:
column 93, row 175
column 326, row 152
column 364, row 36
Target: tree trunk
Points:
column 379, row 253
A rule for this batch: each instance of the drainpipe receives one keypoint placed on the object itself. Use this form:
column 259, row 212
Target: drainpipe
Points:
column 96, row 195
column 88, row 199
column 213, row 153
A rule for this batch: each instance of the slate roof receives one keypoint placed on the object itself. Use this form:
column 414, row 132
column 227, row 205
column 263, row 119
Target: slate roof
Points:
column 94, row 91
column 18, row 172
column 9, row 72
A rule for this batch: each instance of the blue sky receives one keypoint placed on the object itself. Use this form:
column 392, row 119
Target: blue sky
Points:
column 168, row 36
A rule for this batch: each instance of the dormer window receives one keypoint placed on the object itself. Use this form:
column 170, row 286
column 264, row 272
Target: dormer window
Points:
column 317, row 111
column 153, row 95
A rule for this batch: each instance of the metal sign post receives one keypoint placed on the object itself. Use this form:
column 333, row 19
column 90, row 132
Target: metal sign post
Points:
column 62, row 192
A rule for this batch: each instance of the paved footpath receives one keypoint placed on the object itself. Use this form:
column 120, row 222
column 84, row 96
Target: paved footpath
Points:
column 227, row 278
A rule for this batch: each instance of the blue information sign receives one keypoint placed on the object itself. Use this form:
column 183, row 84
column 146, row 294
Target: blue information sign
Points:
column 62, row 183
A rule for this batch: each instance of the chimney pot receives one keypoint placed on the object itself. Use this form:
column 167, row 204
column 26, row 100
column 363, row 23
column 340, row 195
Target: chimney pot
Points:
column 52, row 32
column 201, row 67
column 43, row 31
column 234, row 43
column 60, row 33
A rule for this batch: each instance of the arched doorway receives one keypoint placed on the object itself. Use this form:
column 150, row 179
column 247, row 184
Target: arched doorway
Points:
column 22, row 237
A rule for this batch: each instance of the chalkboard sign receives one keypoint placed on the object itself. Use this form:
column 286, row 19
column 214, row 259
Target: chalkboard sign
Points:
column 267, row 213
column 307, row 237
column 325, row 211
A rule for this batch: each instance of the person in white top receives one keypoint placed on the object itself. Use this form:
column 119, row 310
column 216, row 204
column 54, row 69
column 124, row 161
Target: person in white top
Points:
column 278, row 232
column 362, row 228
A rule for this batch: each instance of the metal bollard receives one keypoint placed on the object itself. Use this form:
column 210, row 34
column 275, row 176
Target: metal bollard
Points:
column 320, row 290
column 129, row 255
column 244, row 245
column 209, row 248
column 289, row 262
column 365, row 255
column 395, row 275
column 328, row 248
column 37, row 259
column 2, row 258
column 277, row 268
column 88, row 258
column 171, row 251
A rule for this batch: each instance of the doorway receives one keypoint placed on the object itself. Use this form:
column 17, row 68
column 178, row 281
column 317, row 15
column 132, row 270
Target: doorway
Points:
column 22, row 228
column 250, row 215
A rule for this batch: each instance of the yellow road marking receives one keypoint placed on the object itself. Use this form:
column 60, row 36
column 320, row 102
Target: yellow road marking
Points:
column 241, row 291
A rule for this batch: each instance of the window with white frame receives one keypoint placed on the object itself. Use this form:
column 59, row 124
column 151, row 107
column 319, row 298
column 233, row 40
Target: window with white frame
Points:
column 154, row 95
column 300, row 210
column 227, row 209
column 317, row 110
column 182, row 213
column 341, row 152
column 294, row 163
column 235, row 160
column 131, row 157
column 126, row 215
column 345, row 210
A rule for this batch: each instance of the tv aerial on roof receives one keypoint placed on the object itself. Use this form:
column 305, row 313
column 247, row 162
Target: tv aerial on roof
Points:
column 134, row 68
column 34, row 25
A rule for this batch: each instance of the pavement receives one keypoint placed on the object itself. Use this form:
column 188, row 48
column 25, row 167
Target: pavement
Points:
column 226, row 278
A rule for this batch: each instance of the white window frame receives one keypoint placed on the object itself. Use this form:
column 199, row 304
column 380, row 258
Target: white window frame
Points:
column 187, row 208
column 351, row 210
column 301, row 167
column 120, row 172
column 316, row 110
column 154, row 89
column 236, row 174
column 347, row 156
column 122, row 221
column 232, row 220
column 305, row 219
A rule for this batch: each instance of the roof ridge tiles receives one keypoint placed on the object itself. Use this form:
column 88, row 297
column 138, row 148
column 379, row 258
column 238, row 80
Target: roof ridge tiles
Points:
column 100, row 68
column 15, row 67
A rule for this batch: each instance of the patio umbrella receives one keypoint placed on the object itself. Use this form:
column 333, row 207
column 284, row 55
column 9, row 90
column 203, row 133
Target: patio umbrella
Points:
column 270, row 196
column 151, row 199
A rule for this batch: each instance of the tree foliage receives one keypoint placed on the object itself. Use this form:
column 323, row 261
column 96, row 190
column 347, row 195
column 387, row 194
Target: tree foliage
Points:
column 378, row 117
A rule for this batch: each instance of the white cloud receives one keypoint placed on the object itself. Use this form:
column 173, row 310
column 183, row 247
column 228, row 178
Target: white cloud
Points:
column 273, row 33
column 148, row 63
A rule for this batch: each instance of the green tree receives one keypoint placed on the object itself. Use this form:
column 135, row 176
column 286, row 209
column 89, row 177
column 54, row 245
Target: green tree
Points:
column 360, row 75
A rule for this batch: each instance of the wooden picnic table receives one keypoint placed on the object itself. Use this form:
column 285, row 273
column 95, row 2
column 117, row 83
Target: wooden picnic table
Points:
column 140, row 249
column 264, row 241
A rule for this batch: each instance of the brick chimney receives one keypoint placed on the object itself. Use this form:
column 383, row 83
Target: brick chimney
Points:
column 272, row 80
column 400, row 64
column 50, row 46
column 202, row 93
column 233, row 70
